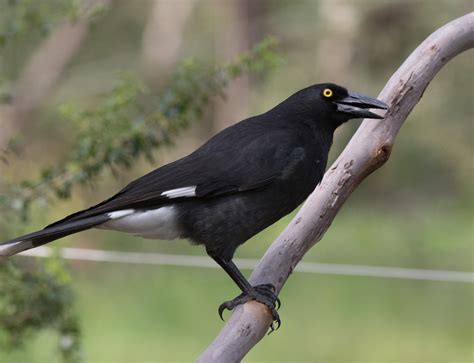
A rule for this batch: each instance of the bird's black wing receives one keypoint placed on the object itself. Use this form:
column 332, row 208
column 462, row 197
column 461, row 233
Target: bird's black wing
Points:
column 241, row 158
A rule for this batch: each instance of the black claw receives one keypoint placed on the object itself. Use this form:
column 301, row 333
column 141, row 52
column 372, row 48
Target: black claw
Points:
column 277, row 303
column 264, row 294
column 221, row 309
column 272, row 325
column 231, row 304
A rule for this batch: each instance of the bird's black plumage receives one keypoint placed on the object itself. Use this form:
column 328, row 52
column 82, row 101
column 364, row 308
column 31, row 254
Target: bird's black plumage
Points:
column 241, row 181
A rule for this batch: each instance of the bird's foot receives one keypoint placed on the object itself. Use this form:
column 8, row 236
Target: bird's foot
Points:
column 264, row 294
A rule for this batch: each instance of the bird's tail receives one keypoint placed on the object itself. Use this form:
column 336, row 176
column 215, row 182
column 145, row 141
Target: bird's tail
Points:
column 49, row 234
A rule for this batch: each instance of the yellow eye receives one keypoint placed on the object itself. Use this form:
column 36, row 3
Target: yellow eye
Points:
column 327, row 92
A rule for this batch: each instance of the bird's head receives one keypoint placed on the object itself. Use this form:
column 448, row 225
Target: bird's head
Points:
column 334, row 105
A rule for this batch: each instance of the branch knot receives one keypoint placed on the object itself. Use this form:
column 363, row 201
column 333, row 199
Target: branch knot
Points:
column 383, row 154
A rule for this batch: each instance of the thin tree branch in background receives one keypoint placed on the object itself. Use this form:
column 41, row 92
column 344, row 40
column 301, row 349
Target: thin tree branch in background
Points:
column 163, row 37
column 45, row 67
column 231, row 41
column 368, row 150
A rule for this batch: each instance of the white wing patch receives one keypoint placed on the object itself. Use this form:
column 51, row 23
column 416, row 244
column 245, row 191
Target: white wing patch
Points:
column 159, row 223
column 180, row 192
column 120, row 213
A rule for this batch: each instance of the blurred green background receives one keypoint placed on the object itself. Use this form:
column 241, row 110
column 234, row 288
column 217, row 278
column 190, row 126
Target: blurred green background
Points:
column 415, row 212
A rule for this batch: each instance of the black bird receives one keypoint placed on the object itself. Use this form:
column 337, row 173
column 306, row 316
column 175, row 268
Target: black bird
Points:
column 241, row 181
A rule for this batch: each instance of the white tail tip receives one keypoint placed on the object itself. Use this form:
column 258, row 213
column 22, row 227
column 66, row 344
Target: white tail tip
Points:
column 13, row 248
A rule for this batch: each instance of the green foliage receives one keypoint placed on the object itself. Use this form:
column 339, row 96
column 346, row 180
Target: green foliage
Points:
column 20, row 17
column 24, row 20
column 130, row 122
column 35, row 297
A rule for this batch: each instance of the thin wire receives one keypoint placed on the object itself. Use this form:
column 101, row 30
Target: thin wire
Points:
column 83, row 254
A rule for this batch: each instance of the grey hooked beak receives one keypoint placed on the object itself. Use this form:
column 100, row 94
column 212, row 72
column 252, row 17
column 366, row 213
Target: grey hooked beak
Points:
column 357, row 105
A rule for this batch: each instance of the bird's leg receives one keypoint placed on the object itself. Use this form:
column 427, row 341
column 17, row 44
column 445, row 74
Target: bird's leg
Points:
column 264, row 293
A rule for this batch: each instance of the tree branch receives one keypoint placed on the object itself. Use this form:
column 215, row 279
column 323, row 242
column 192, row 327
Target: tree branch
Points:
column 368, row 150
column 233, row 39
column 163, row 37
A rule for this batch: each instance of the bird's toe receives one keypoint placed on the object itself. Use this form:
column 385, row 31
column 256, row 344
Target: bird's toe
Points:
column 231, row 304
column 269, row 290
column 264, row 294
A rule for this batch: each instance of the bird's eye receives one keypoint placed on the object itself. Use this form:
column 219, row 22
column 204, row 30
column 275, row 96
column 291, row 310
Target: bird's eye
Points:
column 327, row 92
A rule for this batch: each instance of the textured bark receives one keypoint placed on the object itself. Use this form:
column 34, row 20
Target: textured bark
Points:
column 368, row 150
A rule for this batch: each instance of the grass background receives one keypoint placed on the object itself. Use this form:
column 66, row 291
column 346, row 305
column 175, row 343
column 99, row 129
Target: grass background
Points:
column 132, row 313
